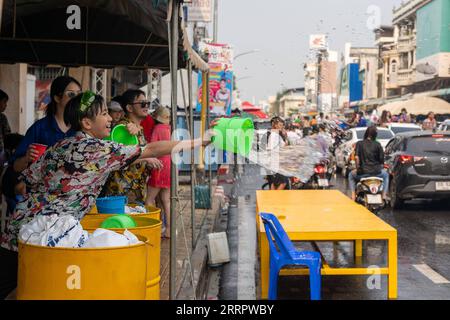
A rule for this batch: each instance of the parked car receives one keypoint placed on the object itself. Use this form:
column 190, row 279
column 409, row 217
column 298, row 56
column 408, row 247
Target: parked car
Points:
column 404, row 127
column 354, row 135
column 445, row 126
column 419, row 166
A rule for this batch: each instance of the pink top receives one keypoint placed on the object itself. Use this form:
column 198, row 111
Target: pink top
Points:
column 161, row 178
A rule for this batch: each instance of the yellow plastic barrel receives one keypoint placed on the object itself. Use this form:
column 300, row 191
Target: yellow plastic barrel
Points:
column 113, row 273
column 152, row 212
column 148, row 228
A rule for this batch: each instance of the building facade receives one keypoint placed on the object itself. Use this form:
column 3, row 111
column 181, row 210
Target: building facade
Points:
column 292, row 102
column 415, row 51
column 321, row 82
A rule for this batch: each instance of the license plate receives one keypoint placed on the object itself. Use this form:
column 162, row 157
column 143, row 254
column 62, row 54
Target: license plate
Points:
column 374, row 199
column 323, row 183
column 443, row 186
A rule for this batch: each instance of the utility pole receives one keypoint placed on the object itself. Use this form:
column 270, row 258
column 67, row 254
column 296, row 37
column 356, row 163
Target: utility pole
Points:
column 216, row 20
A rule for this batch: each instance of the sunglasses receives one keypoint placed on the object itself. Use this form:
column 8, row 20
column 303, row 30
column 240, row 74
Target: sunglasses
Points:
column 144, row 104
column 72, row 94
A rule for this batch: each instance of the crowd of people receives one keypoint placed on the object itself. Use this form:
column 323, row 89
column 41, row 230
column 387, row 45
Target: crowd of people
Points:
column 368, row 153
column 364, row 119
column 79, row 165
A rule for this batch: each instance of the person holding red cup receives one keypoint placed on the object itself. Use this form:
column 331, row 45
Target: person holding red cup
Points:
column 37, row 150
column 50, row 129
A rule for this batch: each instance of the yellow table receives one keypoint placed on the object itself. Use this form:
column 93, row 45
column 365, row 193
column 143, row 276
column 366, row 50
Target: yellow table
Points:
column 325, row 215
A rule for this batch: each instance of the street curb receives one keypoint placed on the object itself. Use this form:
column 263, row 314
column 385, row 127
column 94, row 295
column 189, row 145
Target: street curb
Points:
column 199, row 258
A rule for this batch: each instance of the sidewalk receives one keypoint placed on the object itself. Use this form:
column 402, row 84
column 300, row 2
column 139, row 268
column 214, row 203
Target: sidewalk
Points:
column 188, row 278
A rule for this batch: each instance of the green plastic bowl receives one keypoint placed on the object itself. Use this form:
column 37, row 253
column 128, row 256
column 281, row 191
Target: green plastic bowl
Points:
column 118, row 222
column 121, row 135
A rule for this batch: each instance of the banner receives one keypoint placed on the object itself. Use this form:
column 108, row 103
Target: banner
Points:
column 220, row 60
column 199, row 11
column 218, row 54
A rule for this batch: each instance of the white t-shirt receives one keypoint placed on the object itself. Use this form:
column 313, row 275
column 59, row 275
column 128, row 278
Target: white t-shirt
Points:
column 275, row 141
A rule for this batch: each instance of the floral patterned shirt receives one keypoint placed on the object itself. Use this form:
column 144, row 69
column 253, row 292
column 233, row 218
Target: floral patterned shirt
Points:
column 67, row 179
column 132, row 181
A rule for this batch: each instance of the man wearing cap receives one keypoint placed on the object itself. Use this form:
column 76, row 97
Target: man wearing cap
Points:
column 115, row 111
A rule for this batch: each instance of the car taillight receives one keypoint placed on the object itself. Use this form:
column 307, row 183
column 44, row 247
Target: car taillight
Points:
column 404, row 159
column 319, row 169
column 437, row 136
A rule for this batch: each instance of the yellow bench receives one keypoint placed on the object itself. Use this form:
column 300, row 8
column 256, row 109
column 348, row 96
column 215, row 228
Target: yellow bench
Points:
column 324, row 215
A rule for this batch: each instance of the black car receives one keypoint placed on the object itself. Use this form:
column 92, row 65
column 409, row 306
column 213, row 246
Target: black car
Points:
column 419, row 166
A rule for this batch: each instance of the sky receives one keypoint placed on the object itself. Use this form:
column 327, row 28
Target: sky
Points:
column 280, row 31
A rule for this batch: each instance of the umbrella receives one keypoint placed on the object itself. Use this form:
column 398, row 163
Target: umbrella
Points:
column 424, row 105
column 419, row 106
column 426, row 68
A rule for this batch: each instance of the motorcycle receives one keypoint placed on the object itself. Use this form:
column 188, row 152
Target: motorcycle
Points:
column 369, row 194
column 323, row 173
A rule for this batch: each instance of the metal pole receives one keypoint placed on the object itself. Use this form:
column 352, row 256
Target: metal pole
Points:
column 173, row 167
column 191, row 131
column 207, row 126
column 216, row 20
column 205, row 106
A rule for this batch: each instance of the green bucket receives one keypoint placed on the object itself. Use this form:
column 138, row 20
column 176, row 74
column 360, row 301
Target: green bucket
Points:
column 119, row 222
column 121, row 135
column 234, row 135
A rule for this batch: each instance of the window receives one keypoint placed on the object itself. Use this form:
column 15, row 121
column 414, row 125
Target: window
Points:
column 394, row 66
column 430, row 146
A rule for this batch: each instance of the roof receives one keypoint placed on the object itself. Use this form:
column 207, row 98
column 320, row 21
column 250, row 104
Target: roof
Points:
column 365, row 128
column 128, row 33
column 405, row 125
column 411, row 134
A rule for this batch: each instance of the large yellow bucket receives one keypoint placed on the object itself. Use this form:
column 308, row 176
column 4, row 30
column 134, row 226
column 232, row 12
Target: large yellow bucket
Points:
column 152, row 212
column 148, row 228
column 116, row 273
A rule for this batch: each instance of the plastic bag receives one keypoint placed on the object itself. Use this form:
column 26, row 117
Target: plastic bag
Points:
column 54, row 231
column 102, row 238
column 291, row 161
column 135, row 210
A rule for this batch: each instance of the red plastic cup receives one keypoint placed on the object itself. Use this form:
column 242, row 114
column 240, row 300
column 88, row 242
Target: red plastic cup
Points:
column 40, row 148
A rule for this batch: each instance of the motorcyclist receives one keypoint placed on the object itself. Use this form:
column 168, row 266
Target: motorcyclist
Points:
column 319, row 134
column 369, row 156
column 276, row 139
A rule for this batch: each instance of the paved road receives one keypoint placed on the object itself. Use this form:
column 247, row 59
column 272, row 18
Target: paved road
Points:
column 423, row 253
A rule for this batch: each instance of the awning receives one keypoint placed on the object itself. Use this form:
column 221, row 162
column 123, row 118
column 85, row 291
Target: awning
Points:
column 258, row 114
column 128, row 33
column 196, row 60
column 419, row 106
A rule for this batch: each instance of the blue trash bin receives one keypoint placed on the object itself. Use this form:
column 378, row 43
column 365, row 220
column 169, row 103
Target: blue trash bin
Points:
column 111, row 205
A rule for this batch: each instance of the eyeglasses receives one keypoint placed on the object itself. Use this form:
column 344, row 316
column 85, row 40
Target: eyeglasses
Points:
column 72, row 94
column 144, row 104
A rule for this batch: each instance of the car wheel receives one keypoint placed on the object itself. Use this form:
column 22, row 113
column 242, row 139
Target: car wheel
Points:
column 396, row 202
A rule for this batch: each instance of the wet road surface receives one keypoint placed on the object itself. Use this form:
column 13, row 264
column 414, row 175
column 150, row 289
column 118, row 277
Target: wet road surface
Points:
column 423, row 253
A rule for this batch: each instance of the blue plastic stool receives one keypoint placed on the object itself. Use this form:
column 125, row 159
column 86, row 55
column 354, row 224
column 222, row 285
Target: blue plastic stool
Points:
column 288, row 255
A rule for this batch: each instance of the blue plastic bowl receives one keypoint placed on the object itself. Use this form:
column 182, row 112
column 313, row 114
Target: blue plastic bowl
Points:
column 111, row 205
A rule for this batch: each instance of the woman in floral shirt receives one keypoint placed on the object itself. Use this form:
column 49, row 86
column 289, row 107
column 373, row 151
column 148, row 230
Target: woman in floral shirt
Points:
column 68, row 178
